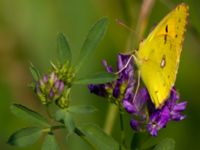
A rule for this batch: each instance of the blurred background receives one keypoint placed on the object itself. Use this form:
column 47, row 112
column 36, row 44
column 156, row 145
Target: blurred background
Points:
column 28, row 31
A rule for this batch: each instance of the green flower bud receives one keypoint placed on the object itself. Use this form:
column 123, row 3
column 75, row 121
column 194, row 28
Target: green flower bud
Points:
column 49, row 88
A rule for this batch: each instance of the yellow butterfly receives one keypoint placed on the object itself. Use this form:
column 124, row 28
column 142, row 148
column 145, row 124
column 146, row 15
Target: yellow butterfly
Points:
column 158, row 55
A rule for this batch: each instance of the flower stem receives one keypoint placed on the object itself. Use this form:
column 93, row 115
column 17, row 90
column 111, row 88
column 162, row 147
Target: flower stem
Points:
column 76, row 131
column 58, row 127
column 82, row 135
column 48, row 111
column 122, row 140
column 110, row 119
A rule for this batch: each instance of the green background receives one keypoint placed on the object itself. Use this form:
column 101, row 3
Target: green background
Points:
column 28, row 30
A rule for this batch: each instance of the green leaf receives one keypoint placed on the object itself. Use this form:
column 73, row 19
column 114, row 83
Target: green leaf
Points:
column 149, row 142
column 50, row 143
column 103, row 77
column 69, row 122
column 63, row 47
column 93, row 38
column 165, row 144
column 29, row 115
column 25, row 136
column 35, row 73
column 65, row 116
column 82, row 109
column 100, row 140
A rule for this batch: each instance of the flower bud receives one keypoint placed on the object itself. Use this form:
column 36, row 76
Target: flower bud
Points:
column 49, row 88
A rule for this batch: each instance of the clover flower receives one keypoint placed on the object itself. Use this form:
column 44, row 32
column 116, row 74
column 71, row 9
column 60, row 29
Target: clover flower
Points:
column 171, row 111
column 49, row 88
column 135, row 106
column 145, row 117
column 120, row 88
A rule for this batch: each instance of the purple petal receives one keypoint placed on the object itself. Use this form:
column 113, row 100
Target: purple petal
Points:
column 116, row 90
column 158, row 120
column 176, row 116
column 154, row 117
column 129, row 89
column 180, row 106
column 98, row 89
column 108, row 68
column 164, row 117
column 122, row 60
column 128, row 95
column 130, row 108
column 141, row 98
column 61, row 87
column 135, row 125
column 45, row 78
column 153, row 130
column 174, row 96
column 57, row 84
column 51, row 93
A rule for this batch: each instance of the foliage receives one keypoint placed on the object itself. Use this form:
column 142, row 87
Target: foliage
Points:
column 54, row 90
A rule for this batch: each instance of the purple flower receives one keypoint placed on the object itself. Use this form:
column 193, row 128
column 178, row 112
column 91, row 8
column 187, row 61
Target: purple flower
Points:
column 59, row 86
column 170, row 111
column 98, row 89
column 176, row 108
column 108, row 68
column 135, row 104
column 158, row 120
column 123, row 86
column 136, row 125
column 139, row 105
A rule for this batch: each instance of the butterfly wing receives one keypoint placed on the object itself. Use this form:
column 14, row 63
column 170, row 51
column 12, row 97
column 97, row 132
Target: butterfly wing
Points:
column 158, row 55
column 158, row 70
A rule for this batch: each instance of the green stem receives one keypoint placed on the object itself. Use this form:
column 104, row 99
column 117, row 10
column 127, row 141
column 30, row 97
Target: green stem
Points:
column 77, row 131
column 82, row 135
column 122, row 140
column 110, row 118
column 52, row 128
column 48, row 111
column 58, row 127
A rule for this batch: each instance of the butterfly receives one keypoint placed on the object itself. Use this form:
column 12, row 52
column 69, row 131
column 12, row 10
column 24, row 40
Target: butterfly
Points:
column 158, row 55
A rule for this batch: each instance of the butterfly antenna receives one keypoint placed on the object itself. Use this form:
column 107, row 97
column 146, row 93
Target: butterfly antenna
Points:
column 138, row 85
column 125, row 66
column 120, row 22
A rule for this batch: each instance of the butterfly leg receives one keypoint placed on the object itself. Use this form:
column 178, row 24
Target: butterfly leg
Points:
column 138, row 85
column 125, row 66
